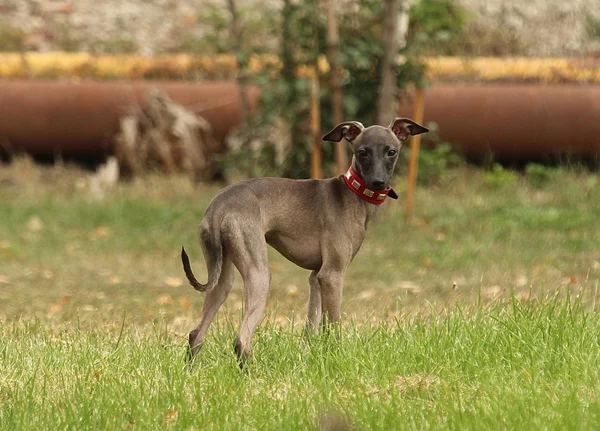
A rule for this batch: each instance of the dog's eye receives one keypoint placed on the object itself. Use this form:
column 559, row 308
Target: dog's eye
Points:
column 362, row 153
column 392, row 153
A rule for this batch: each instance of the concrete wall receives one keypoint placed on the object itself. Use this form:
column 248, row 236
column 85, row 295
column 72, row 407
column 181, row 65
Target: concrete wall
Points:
column 545, row 27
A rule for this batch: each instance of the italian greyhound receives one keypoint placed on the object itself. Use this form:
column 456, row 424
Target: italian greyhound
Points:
column 317, row 224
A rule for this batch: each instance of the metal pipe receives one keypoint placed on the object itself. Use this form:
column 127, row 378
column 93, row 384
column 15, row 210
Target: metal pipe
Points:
column 80, row 118
column 515, row 122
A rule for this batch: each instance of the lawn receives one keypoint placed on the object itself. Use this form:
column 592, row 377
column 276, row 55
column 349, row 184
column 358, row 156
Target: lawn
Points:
column 481, row 314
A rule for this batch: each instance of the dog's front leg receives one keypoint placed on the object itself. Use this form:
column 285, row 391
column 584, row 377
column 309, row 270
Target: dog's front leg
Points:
column 314, row 304
column 331, row 284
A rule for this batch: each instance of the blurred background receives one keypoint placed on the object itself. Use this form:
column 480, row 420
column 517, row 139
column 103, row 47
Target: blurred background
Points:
column 119, row 120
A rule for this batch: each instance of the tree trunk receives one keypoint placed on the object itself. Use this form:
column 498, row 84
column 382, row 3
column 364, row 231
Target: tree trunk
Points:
column 341, row 156
column 388, row 88
column 236, row 31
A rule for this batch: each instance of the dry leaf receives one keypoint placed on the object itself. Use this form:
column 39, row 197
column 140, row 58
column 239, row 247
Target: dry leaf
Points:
column 55, row 308
column 366, row 294
column 185, row 303
column 426, row 262
column 164, row 299
column 282, row 320
column 372, row 391
column 492, row 292
column 173, row 281
column 66, row 299
column 410, row 286
column 100, row 232
column 35, row 224
column 171, row 414
column 419, row 381
column 521, row 281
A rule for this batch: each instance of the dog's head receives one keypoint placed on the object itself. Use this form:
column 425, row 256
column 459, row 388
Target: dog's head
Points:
column 375, row 148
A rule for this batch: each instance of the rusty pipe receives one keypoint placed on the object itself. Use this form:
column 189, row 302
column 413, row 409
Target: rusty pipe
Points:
column 515, row 122
column 80, row 118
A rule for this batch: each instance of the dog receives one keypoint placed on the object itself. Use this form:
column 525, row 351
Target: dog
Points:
column 317, row 224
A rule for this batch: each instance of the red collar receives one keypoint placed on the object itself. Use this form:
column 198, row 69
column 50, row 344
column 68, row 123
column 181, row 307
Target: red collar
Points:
column 358, row 186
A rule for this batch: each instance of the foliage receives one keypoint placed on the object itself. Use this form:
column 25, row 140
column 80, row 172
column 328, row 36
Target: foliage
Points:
column 499, row 177
column 303, row 44
column 436, row 158
column 11, row 39
column 540, row 175
column 592, row 27
column 435, row 26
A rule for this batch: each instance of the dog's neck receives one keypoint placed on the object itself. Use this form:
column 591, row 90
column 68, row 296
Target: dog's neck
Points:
column 358, row 185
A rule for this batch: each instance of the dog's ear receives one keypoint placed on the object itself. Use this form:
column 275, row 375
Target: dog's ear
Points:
column 348, row 129
column 405, row 127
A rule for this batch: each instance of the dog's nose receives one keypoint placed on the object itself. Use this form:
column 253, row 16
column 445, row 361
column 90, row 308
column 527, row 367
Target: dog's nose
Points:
column 378, row 185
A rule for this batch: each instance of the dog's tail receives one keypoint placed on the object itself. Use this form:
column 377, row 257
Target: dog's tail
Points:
column 214, row 272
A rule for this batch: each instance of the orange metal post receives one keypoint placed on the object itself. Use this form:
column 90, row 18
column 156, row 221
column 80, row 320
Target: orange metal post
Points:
column 415, row 144
column 315, row 123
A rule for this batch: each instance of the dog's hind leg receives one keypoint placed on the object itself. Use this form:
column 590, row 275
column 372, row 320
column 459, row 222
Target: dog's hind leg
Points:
column 250, row 258
column 212, row 302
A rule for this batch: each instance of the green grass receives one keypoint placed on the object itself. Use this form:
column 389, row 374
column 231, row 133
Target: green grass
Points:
column 510, row 366
column 481, row 313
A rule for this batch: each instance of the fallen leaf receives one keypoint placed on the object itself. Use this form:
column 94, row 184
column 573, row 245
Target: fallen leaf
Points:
column 173, row 281
column 164, row 299
column 35, row 224
column 372, row 391
column 171, row 414
column 521, row 281
column 419, row 381
column 185, row 303
column 366, row 294
column 523, row 295
column 66, row 299
column 572, row 280
column 492, row 292
column 282, row 320
column 410, row 286
column 100, row 232
column 426, row 262
column 55, row 308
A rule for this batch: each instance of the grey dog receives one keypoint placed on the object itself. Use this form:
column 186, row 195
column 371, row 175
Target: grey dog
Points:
column 317, row 224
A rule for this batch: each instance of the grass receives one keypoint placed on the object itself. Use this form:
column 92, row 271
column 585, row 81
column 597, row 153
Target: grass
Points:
column 481, row 315
column 515, row 366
